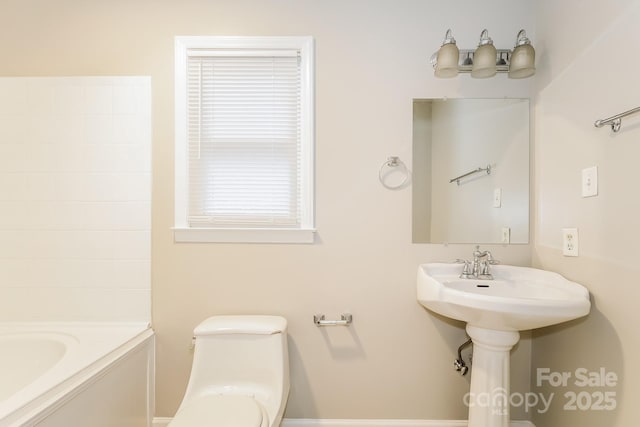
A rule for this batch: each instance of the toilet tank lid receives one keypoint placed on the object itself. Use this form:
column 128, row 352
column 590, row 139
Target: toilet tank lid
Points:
column 250, row 324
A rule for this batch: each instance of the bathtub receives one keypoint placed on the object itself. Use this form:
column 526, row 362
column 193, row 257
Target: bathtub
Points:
column 72, row 374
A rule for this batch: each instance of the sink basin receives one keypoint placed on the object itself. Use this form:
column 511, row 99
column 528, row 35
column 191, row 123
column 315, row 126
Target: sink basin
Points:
column 519, row 298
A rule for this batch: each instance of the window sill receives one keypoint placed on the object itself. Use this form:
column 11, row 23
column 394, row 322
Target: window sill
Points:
column 243, row 235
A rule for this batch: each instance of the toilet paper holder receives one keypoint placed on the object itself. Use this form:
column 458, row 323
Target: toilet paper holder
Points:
column 345, row 320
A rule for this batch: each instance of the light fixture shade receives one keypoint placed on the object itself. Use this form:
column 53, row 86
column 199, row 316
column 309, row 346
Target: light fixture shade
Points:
column 523, row 58
column 447, row 58
column 447, row 65
column 484, row 58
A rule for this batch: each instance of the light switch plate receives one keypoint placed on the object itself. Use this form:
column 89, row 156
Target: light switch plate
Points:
column 570, row 242
column 590, row 182
column 506, row 235
column 497, row 197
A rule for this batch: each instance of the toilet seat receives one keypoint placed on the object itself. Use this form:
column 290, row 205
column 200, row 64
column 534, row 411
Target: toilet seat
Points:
column 218, row 410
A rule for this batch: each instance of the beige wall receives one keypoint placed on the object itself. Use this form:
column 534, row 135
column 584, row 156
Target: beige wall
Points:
column 588, row 71
column 372, row 60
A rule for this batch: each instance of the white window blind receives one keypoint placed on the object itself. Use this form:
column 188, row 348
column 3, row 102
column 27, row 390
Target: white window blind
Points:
column 244, row 137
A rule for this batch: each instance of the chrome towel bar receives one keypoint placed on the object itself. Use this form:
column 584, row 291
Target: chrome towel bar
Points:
column 615, row 121
column 457, row 179
column 345, row 320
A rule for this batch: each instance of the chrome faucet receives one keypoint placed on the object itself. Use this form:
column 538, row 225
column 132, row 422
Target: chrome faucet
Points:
column 481, row 262
column 479, row 268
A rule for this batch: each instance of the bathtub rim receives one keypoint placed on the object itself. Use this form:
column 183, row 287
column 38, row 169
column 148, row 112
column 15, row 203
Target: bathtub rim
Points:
column 67, row 341
column 50, row 400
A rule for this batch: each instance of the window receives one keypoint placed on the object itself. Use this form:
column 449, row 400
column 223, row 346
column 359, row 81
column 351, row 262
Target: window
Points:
column 244, row 139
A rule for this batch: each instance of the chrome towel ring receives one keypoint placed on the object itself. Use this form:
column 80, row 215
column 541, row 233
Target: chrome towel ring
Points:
column 393, row 164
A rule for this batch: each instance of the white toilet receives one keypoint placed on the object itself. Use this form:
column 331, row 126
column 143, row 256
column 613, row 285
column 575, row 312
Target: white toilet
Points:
column 240, row 373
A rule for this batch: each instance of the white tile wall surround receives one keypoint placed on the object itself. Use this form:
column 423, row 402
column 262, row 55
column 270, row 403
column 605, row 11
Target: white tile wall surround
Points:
column 75, row 198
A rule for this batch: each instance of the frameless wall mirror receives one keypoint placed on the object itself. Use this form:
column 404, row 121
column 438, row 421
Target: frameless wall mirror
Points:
column 471, row 171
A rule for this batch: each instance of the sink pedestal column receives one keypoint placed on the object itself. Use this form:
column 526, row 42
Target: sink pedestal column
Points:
column 488, row 399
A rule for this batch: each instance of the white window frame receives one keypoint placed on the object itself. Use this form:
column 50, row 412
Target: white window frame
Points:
column 182, row 231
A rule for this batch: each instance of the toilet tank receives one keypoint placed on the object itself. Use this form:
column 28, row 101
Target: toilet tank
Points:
column 242, row 355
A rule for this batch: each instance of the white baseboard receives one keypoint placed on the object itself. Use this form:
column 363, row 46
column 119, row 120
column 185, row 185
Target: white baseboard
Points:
column 295, row 422
column 306, row 422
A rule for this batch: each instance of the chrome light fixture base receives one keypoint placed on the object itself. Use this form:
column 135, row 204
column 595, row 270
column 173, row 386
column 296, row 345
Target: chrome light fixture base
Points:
column 465, row 62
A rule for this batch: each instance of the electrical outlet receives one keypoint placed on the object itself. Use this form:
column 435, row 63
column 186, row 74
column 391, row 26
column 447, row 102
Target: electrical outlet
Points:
column 570, row 241
column 590, row 182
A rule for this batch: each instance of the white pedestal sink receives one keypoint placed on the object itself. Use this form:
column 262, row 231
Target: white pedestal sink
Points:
column 518, row 298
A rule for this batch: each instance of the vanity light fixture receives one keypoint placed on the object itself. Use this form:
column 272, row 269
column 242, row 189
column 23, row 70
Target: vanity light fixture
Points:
column 486, row 60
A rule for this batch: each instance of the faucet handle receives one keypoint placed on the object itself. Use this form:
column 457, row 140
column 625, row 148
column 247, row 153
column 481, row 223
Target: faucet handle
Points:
column 466, row 270
column 466, row 263
column 490, row 259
